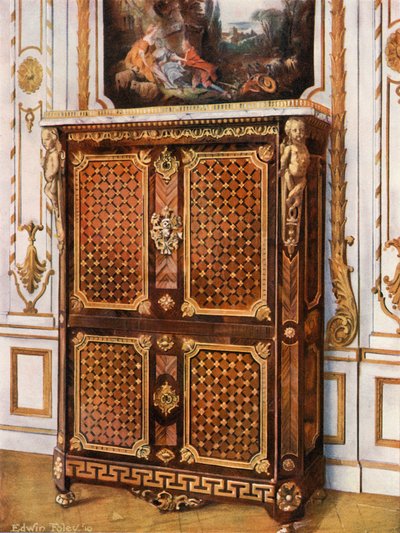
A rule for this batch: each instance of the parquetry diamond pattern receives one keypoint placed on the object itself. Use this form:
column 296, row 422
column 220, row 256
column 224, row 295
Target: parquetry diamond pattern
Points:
column 225, row 245
column 111, row 394
column 111, row 231
column 225, row 405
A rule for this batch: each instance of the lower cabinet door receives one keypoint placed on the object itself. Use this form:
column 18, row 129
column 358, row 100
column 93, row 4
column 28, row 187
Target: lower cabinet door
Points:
column 225, row 411
column 111, row 394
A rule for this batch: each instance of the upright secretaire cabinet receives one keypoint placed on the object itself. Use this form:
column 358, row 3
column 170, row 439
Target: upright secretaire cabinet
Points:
column 191, row 308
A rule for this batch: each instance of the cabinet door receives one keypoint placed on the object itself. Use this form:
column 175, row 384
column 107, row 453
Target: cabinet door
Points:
column 110, row 235
column 225, row 412
column 111, row 393
column 227, row 227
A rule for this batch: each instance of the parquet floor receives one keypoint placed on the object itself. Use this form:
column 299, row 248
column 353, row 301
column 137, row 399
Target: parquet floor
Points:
column 27, row 504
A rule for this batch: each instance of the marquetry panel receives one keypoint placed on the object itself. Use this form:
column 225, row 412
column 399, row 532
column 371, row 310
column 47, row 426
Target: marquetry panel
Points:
column 166, row 265
column 314, row 226
column 290, row 399
column 225, row 411
column 312, row 415
column 165, row 435
column 290, row 292
column 110, row 209
column 111, row 393
column 225, row 232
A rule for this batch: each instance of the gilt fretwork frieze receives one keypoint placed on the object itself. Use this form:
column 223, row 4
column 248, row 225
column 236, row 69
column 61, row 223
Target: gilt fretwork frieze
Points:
column 110, row 247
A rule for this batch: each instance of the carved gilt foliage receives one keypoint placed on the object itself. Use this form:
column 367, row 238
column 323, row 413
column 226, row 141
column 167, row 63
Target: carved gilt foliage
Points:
column 343, row 326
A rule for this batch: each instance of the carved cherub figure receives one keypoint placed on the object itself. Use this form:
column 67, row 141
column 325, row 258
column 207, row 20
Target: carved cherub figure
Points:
column 53, row 164
column 295, row 160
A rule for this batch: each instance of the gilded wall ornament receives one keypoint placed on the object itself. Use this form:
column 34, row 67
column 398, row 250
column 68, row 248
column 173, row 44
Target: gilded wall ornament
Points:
column 393, row 51
column 31, row 270
column 393, row 285
column 166, row 302
column 165, row 455
column 288, row 497
column 83, row 53
column 30, row 75
column 343, row 326
column 165, row 343
column 295, row 160
column 165, row 398
column 53, row 164
column 166, row 165
column 166, row 230
column 29, row 119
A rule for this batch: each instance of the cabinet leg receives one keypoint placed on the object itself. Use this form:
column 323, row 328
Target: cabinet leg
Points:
column 65, row 499
column 286, row 528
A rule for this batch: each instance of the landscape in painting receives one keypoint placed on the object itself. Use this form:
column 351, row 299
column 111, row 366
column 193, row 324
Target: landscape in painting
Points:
column 174, row 52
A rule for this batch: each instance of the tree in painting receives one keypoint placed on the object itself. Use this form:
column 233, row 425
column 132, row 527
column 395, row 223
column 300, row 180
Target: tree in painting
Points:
column 167, row 52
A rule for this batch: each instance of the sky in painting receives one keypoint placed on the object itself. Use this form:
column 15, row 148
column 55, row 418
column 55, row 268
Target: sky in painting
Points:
column 241, row 10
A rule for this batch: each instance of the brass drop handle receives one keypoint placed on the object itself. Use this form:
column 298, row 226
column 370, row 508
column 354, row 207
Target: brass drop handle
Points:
column 166, row 230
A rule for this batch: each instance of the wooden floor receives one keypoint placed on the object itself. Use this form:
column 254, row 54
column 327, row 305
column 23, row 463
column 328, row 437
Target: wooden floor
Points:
column 27, row 504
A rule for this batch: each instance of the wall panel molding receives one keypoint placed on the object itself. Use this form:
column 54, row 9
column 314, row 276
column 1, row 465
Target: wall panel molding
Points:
column 380, row 439
column 340, row 436
column 24, row 410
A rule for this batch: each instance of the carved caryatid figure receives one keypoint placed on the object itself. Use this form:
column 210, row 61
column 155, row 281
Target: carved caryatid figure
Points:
column 53, row 162
column 295, row 160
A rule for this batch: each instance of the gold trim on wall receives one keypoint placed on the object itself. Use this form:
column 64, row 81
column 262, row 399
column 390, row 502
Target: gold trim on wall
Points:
column 20, row 32
column 25, row 429
column 340, row 436
column 83, row 52
column 46, row 392
column 342, row 328
column 379, row 438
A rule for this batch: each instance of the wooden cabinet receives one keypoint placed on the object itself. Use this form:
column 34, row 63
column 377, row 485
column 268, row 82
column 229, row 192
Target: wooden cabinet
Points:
column 191, row 311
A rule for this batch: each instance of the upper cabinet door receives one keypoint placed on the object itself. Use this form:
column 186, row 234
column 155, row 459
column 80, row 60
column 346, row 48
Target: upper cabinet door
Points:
column 110, row 232
column 226, row 232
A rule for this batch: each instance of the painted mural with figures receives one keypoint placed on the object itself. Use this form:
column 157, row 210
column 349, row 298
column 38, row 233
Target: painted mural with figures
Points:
column 173, row 52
